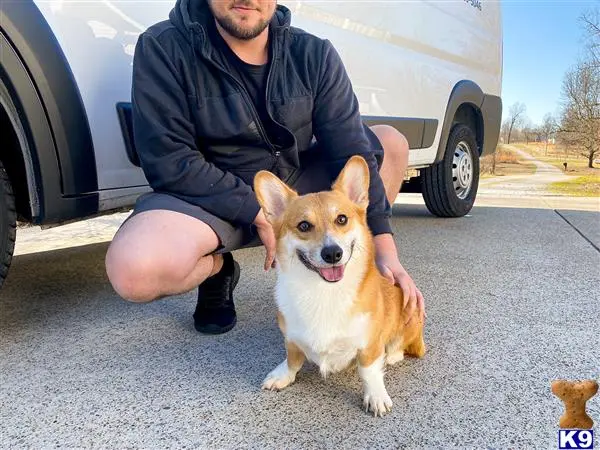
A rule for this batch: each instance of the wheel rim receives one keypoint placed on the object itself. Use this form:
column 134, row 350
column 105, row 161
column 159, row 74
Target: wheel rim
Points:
column 462, row 170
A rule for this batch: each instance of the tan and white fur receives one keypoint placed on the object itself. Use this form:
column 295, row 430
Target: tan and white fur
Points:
column 334, row 306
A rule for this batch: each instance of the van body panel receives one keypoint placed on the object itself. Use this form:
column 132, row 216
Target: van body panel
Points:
column 404, row 60
column 416, row 53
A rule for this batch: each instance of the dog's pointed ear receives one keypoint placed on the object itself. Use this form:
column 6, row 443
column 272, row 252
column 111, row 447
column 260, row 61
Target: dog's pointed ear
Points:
column 353, row 181
column 273, row 194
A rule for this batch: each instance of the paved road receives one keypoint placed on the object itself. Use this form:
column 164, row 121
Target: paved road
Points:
column 513, row 303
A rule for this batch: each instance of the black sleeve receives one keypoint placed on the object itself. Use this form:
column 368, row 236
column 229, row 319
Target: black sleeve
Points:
column 339, row 130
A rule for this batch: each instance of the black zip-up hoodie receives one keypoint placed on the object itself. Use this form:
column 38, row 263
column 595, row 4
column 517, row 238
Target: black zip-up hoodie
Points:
column 199, row 137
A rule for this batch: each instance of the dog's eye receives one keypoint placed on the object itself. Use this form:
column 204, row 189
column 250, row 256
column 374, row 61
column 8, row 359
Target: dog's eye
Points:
column 304, row 226
column 341, row 220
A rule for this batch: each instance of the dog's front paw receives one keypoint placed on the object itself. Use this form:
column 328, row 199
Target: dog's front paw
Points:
column 378, row 403
column 279, row 378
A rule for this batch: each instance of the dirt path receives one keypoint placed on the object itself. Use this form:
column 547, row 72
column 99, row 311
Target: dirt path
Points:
column 519, row 185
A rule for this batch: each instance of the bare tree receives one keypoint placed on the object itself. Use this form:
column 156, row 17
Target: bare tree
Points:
column 547, row 129
column 515, row 117
column 528, row 130
column 581, row 109
column 504, row 130
column 591, row 23
column 580, row 122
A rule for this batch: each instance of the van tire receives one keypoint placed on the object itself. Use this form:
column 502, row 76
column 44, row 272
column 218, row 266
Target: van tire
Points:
column 8, row 224
column 445, row 194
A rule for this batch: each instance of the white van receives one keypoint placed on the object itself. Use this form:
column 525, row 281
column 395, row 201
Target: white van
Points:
column 431, row 69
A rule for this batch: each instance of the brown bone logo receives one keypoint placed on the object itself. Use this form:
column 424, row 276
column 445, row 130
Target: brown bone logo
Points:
column 575, row 395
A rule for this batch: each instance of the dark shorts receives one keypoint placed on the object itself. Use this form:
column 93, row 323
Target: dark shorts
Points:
column 314, row 176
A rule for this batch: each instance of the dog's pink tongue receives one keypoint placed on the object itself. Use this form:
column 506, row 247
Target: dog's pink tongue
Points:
column 332, row 273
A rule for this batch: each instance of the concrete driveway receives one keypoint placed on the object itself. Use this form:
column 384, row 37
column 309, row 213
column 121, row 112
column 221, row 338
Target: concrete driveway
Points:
column 513, row 303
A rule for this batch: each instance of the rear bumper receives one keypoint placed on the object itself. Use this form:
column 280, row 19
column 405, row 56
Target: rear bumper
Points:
column 491, row 112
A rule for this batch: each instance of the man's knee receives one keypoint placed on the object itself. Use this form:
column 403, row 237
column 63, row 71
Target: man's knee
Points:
column 132, row 275
column 394, row 143
column 155, row 252
column 140, row 272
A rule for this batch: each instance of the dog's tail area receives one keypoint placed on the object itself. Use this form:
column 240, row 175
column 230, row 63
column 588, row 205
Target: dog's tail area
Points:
column 417, row 347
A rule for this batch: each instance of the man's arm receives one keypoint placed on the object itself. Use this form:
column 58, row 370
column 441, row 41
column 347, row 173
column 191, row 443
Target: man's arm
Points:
column 339, row 130
column 165, row 140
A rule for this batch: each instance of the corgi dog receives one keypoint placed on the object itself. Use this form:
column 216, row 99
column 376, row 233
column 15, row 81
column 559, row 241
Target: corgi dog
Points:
column 334, row 307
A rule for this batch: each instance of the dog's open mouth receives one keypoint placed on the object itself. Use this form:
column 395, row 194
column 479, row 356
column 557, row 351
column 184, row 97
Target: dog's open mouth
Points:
column 331, row 274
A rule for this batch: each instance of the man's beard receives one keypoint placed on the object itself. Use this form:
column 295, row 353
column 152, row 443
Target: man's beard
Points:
column 240, row 32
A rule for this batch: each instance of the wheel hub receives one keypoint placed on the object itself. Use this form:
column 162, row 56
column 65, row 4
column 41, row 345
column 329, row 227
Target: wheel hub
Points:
column 462, row 170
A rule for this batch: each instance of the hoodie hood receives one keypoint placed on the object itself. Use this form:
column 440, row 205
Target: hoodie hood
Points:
column 191, row 15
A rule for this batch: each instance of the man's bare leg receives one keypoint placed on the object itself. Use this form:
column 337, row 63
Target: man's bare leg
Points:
column 395, row 160
column 159, row 253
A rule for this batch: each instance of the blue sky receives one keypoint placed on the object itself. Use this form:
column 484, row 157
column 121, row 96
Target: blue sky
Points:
column 542, row 39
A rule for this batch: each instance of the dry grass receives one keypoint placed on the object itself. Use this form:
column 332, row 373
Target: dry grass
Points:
column 507, row 163
column 579, row 186
column 573, row 165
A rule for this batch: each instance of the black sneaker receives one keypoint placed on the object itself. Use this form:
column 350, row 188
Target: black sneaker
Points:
column 215, row 311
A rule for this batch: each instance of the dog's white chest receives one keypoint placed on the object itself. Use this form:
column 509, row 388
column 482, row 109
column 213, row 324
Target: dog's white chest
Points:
column 336, row 355
column 320, row 324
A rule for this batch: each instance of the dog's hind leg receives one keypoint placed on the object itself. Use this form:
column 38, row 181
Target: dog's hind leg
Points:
column 394, row 352
column 417, row 347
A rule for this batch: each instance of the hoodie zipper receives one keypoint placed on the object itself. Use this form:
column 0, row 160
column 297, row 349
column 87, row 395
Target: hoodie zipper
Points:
column 277, row 153
column 246, row 96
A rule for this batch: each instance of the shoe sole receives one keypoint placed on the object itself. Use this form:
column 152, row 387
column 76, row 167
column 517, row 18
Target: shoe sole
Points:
column 213, row 329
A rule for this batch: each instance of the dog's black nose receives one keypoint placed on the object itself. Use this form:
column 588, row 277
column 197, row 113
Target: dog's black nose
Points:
column 332, row 254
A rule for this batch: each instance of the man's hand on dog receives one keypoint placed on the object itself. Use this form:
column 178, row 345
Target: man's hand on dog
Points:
column 267, row 236
column 390, row 267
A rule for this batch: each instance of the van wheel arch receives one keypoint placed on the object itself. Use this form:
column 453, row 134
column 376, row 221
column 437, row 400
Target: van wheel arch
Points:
column 463, row 106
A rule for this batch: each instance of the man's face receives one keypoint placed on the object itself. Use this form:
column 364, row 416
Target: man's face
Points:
column 243, row 19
